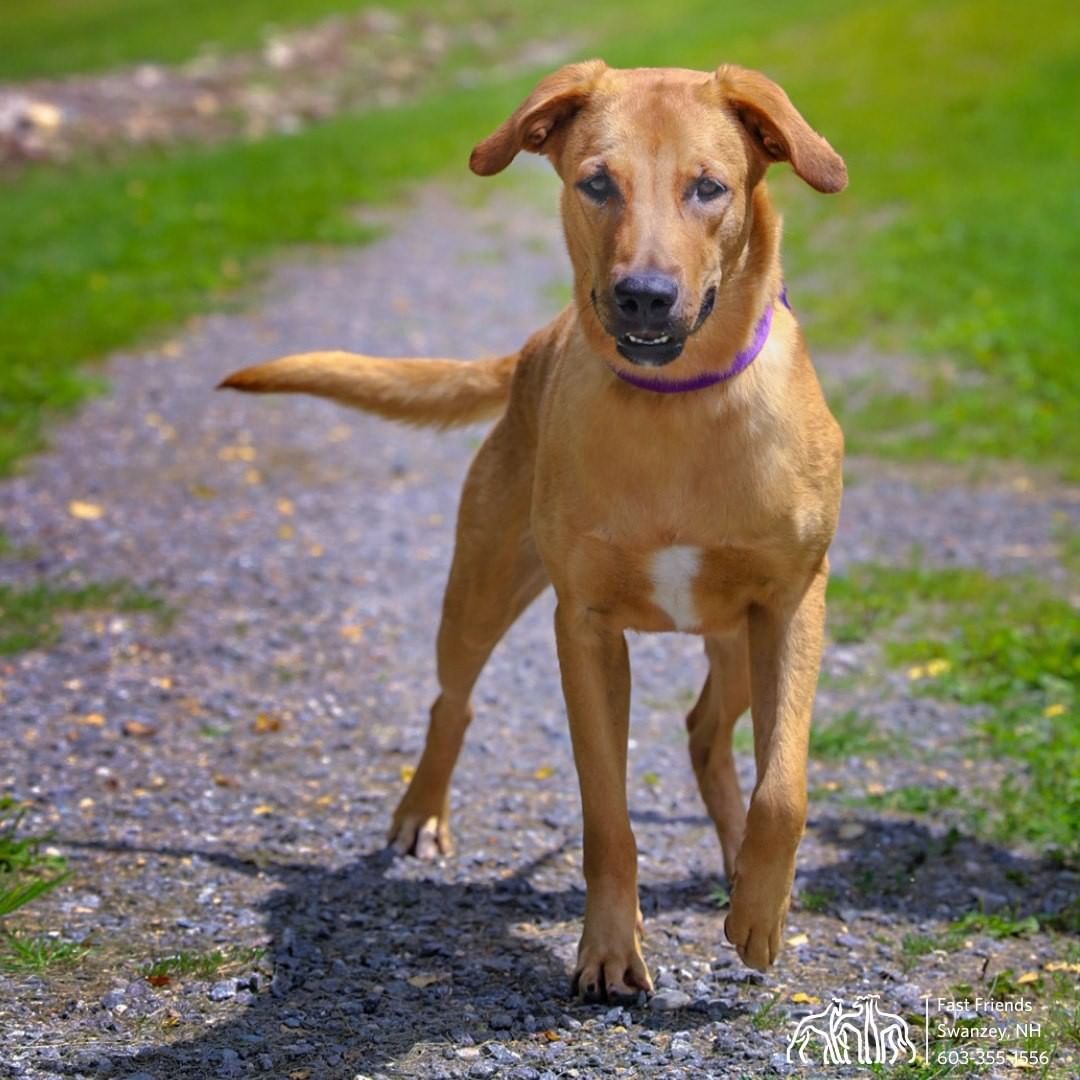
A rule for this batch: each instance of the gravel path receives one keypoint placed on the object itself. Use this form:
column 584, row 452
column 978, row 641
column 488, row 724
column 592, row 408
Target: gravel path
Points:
column 226, row 780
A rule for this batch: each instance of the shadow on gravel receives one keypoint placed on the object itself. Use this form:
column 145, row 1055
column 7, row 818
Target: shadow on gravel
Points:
column 903, row 866
column 345, row 944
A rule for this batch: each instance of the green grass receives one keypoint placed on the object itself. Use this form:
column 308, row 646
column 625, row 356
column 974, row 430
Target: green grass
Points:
column 1007, row 645
column 847, row 735
column 34, row 954
column 27, row 873
column 816, row 900
column 55, row 37
column 206, row 965
column 954, row 239
column 912, row 799
column 30, row 617
column 769, row 1015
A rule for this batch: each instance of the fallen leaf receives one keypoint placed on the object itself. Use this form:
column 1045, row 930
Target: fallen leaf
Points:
column 805, row 999
column 285, row 507
column 551, row 1035
column 407, row 773
column 422, row 981
column 1062, row 965
column 1057, row 709
column 236, row 453
column 544, row 772
column 85, row 511
column 874, row 788
column 325, row 800
column 352, row 633
column 94, row 719
column 262, row 810
column 315, row 550
column 937, row 667
column 138, row 729
column 797, row 939
column 223, row 781
column 170, row 1019
column 158, row 980
column 285, row 532
column 1028, row 978
column 252, row 476
column 264, row 723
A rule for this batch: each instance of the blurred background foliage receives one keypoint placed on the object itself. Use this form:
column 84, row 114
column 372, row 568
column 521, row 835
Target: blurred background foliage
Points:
column 951, row 255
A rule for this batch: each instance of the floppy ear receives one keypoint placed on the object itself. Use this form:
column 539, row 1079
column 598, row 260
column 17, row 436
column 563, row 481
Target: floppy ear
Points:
column 778, row 129
column 552, row 103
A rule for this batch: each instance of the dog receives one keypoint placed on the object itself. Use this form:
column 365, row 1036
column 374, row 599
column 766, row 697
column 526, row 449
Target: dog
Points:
column 662, row 456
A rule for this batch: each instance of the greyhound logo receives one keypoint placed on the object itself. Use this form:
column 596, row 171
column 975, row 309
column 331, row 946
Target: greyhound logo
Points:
column 864, row 1034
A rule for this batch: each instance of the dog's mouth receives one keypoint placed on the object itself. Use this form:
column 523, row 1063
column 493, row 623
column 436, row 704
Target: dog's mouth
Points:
column 649, row 350
column 657, row 348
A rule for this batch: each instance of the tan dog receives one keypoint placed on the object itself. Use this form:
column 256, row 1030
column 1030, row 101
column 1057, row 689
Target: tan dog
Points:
column 663, row 456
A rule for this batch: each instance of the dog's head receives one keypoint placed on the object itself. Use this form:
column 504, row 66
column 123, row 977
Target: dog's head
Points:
column 659, row 167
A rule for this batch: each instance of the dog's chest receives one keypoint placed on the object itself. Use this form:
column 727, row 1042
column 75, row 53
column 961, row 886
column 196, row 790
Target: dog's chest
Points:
column 674, row 571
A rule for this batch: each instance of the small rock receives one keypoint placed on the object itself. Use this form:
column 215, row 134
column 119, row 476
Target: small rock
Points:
column 500, row 1021
column 909, row 995
column 780, row 1064
column 467, row 1053
column 669, row 1000
column 849, row 941
column 222, row 991
column 680, row 1046
column 502, row 1054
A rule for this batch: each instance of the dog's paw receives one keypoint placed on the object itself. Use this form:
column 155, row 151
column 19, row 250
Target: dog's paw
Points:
column 756, row 921
column 420, row 833
column 613, row 974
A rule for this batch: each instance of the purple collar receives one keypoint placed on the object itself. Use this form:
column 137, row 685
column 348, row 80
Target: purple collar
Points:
column 743, row 359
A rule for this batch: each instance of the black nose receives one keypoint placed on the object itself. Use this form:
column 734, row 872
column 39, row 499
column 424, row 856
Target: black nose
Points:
column 645, row 300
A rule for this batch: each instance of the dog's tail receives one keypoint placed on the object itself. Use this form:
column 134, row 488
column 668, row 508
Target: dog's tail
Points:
column 432, row 393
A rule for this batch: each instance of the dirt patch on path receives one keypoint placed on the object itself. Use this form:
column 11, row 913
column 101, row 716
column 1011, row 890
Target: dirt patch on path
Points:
column 304, row 550
column 373, row 59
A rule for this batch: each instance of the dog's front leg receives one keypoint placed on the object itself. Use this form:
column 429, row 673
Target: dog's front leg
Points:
column 785, row 654
column 596, row 682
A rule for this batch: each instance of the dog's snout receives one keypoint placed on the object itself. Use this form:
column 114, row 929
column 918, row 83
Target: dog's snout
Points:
column 646, row 300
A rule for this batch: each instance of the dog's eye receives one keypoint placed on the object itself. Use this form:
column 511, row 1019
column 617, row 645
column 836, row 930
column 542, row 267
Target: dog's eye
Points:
column 599, row 187
column 708, row 189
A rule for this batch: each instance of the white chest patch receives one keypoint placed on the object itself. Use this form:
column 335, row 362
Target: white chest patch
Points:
column 673, row 572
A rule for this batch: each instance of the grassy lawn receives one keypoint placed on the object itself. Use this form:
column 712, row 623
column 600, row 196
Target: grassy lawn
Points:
column 953, row 242
column 1007, row 645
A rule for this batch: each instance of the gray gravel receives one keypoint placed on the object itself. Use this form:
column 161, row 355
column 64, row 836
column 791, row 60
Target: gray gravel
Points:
column 304, row 551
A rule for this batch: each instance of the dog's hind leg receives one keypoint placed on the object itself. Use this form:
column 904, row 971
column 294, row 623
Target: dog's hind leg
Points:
column 710, row 724
column 496, row 573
